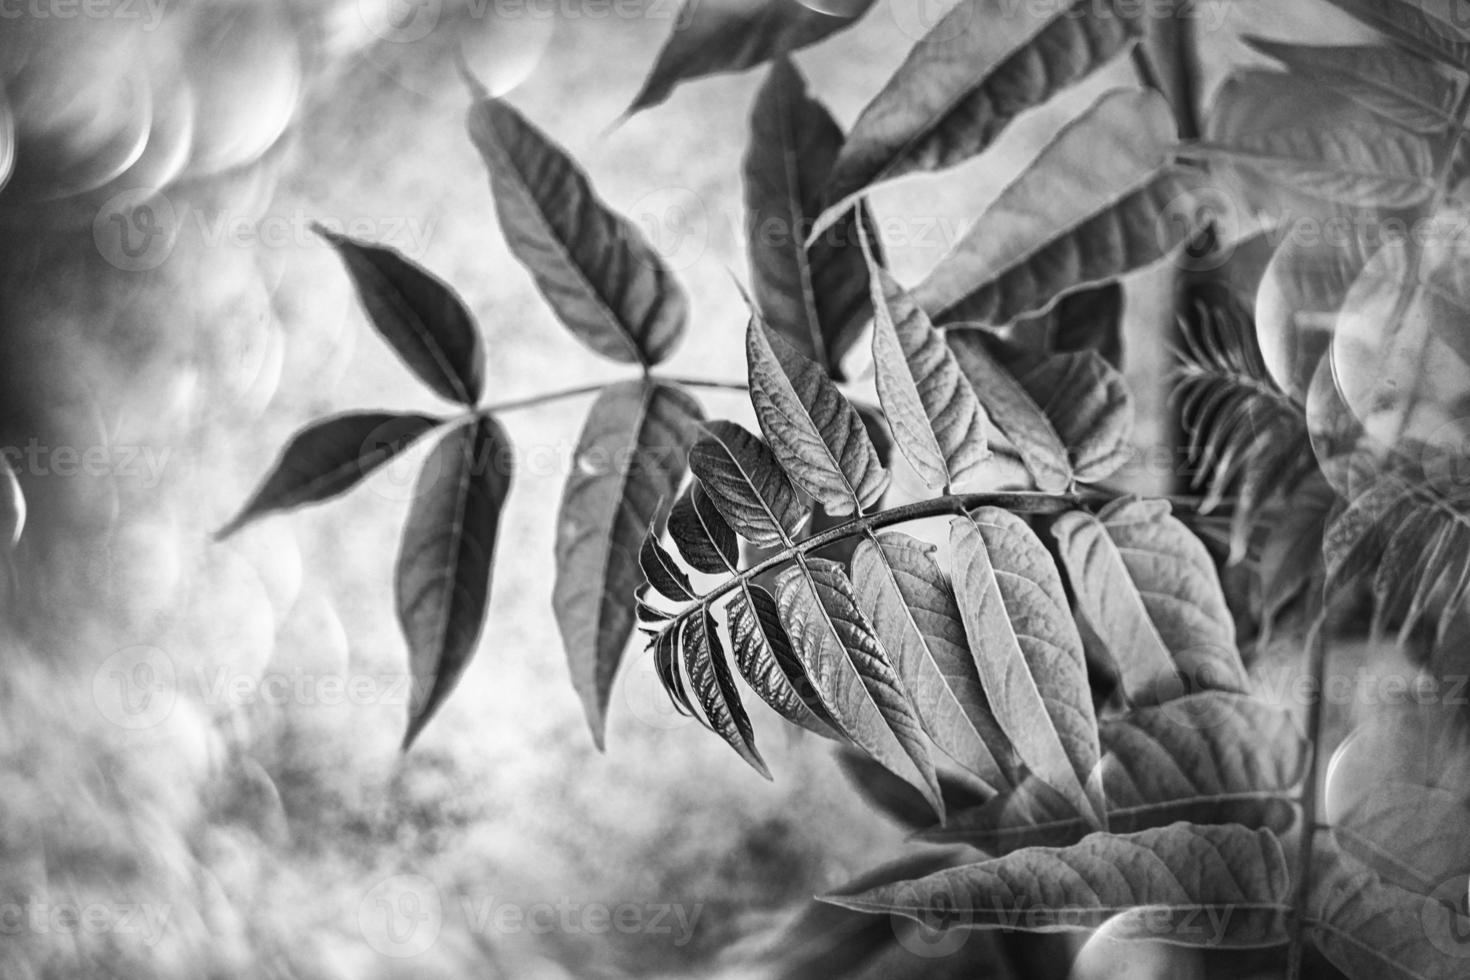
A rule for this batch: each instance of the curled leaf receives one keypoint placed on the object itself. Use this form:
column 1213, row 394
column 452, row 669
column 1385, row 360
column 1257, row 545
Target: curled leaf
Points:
column 714, row 687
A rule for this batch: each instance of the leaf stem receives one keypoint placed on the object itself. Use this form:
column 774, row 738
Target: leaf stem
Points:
column 546, row 398
column 1317, row 666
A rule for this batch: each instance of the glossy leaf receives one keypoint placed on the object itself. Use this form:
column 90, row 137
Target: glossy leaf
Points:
column 711, row 37
column 979, row 67
column 330, row 457
column 937, row 421
column 766, row 660
column 1029, row 655
column 747, row 485
column 661, row 571
column 1097, row 202
column 1113, row 608
column 1013, row 410
column 420, row 317
column 701, row 533
column 816, row 297
column 913, row 609
column 814, row 432
column 852, row 673
column 1156, row 884
column 714, row 687
column 441, row 583
column 599, row 274
column 1181, row 591
column 630, row 457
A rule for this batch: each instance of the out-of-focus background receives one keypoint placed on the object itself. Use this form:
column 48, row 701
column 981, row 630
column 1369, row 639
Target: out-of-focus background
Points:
column 199, row 766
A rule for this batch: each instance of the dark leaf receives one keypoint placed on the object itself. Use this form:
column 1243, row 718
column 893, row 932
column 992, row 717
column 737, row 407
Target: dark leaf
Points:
column 714, row 686
column 630, row 457
column 711, row 37
column 602, row 278
column 442, row 580
column 1427, row 27
column 816, row 435
column 1089, row 319
column 746, row 484
column 764, row 656
column 420, row 317
column 661, row 571
column 701, row 533
column 330, row 457
column 817, row 297
column 1088, row 404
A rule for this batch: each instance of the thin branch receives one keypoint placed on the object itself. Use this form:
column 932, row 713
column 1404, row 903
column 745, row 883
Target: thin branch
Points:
column 546, row 398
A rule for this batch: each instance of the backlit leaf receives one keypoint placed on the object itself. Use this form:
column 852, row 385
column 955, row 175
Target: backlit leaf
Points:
column 630, row 456
column 851, row 672
column 1028, row 652
column 816, row 435
column 442, row 579
column 422, row 319
column 330, row 457
column 600, row 275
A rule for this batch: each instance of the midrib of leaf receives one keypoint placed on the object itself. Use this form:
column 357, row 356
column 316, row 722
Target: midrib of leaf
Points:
column 1017, row 503
column 558, row 247
column 790, row 163
column 1036, row 248
column 1216, row 150
column 441, row 359
column 607, row 550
